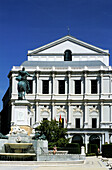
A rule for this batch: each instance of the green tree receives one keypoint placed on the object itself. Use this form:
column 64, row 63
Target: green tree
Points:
column 55, row 134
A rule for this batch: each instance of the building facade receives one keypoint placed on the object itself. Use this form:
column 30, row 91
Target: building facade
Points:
column 74, row 80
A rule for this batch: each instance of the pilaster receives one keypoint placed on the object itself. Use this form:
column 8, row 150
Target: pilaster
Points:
column 86, row 117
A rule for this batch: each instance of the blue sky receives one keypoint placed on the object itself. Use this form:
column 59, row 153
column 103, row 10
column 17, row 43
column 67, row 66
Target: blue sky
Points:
column 28, row 24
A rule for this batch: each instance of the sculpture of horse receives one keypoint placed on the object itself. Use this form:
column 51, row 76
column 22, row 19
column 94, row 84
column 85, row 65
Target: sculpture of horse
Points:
column 22, row 88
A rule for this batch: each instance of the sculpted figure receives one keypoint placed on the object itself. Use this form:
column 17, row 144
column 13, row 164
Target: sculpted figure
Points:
column 23, row 84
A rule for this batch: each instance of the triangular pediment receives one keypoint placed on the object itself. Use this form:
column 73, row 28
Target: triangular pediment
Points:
column 68, row 42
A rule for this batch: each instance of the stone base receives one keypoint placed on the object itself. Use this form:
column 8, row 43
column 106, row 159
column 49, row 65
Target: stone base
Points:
column 28, row 129
column 61, row 158
column 22, row 115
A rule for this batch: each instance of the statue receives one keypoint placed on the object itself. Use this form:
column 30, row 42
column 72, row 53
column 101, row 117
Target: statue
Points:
column 43, row 137
column 23, row 84
column 17, row 130
column 36, row 137
column 39, row 137
column 3, row 136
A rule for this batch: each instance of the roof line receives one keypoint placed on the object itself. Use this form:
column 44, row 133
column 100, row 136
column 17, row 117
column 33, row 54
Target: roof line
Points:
column 63, row 39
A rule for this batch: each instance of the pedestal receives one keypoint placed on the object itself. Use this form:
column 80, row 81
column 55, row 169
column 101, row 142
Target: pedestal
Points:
column 83, row 150
column 21, row 115
column 42, row 148
column 69, row 125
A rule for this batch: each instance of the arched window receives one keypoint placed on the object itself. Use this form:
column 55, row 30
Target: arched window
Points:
column 67, row 55
column 77, row 139
column 94, row 139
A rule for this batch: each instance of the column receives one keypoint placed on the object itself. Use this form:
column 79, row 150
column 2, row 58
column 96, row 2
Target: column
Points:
column 110, row 138
column 69, row 84
column 100, row 144
column 101, row 86
column 14, row 85
column 110, row 85
column 107, row 137
column 12, row 114
column 85, row 87
column 101, row 116
column 53, row 81
column 53, row 84
column 53, row 117
column 86, row 142
column 86, row 117
column 69, row 116
column 37, row 84
column 103, row 138
column 70, row 136
column 37, row 112
column 111, row 114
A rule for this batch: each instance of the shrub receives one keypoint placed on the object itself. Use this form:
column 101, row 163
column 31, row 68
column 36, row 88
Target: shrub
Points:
column 90, row 154
column 92, row 148
column 73, row 148
column 55, row 134
column 107, row 150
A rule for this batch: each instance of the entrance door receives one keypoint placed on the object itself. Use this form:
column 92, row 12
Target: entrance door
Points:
column 94, row 139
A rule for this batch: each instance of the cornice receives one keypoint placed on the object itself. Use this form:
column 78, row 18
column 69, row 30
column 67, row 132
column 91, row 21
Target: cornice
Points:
column 73, row 54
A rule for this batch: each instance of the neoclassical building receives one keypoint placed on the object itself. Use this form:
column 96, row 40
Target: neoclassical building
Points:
column 74, row 80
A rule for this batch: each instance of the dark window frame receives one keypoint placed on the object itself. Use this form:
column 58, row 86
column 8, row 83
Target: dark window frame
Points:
column 77, row 86
column 94, row 122
column 61, row 86
column 31, row 86
column 94, row 86
column 62, row 124
column 77, row 123
column 68, row 55
column 45, row 86
column 44, row 119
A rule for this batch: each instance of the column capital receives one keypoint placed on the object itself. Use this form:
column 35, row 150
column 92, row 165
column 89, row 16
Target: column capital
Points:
column 69, row 75
column 53, row 104
column 37, row 75
column 37, row 104
column 13, row 75
column 85, row 75
column 53, row 68
column 53, row 75
column 69, row 104
column 101, row 75
column 12, row 103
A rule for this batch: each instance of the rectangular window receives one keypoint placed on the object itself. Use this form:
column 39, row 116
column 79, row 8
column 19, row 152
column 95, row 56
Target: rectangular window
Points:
column 94, row 123
column 61, row 86
column 94, row 86
column 62, row 123
column 44, row 119
column 30, row 121
column 45, row 89
column 77, row 86
column 77, row 122
column 30, row 86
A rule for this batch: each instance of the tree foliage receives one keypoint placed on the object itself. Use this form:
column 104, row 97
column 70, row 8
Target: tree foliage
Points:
column 55, row 134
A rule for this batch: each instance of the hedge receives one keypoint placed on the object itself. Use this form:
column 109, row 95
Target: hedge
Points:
column 107, row 150
column 92, row 148
column 72, row 148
